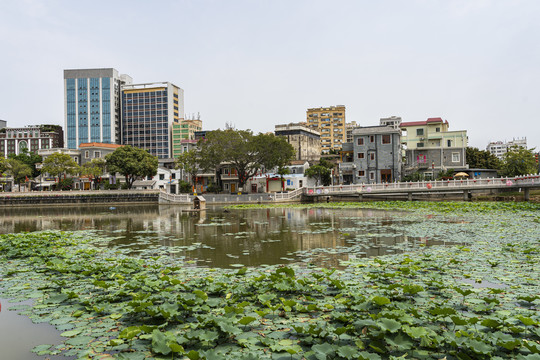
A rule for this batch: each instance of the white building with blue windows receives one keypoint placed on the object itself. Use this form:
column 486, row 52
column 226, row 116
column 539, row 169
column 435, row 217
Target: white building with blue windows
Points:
column 92, row 106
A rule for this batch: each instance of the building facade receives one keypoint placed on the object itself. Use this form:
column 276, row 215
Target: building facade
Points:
column 431, row 148
column 392, row 121
column 330, row 123
column 91, row 151
column 183, row 130
column 349, row 127
column 148, row 112
column 499, row 148
column 376, row 155
column 3, row 124
column 305, row 141
column 92, row 106
column 31, row 138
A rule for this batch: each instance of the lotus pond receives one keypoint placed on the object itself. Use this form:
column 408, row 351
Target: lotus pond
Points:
column 206, row 287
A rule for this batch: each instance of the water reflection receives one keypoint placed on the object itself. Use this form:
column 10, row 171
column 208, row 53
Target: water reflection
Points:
column 222, row 238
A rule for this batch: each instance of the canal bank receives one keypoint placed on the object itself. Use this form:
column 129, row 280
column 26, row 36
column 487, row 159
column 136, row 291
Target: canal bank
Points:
column 78, row 197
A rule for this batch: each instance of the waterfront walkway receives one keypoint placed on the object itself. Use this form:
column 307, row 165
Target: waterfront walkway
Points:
column 359, row 191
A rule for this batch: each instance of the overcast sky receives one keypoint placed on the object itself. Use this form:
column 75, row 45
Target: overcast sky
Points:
column 256, row 64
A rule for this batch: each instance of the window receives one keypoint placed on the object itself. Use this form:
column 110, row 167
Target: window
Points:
column 420, row 144
column 449, row 143
column 371, row 175
column 173, row 176
column 386, row 139
column 438, row 129
column 360, row 155
column 371, row 138
column 226, row 186
column 419, row 132
column 455, row 157
column 86, row 154
column 360, row 141
column 161, row 176
column 361, row 173
column 97, row 154
column 372, row 156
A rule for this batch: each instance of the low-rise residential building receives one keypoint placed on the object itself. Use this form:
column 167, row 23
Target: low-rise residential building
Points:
column 31, row 138
column 499, row 148
column 305, row 141
column 430, row 147
column 376, row 155
column 91, row 151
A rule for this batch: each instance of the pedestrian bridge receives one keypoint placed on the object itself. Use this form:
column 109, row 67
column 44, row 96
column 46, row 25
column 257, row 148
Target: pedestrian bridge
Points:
column 466, row 186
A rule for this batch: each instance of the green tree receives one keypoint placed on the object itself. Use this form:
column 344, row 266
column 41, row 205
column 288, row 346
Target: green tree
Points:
column 3, row 165
column 245, row 152
column 190, row 162
column 132, row 163
column 519, row 161
column 482, row 159
column 94, row 169
column 19, row 170
column 59, row 164
column 322, row 172
column 30, row 159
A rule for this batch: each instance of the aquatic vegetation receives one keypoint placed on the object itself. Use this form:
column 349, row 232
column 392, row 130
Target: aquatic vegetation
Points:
column 477, row 299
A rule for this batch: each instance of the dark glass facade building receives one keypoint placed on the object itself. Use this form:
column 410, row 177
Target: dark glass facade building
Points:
column 148, row 111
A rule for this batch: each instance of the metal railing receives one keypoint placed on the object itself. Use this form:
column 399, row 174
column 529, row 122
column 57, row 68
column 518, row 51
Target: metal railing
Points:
column 506, row 182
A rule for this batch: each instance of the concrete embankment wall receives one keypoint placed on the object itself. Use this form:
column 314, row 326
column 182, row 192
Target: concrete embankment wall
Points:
column 62, row 198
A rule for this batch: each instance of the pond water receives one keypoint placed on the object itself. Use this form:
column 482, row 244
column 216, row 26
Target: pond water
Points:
column 228, row 238
column 216, row 237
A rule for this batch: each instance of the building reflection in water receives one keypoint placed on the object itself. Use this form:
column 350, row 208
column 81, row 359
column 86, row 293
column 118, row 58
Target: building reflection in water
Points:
column 221, row 238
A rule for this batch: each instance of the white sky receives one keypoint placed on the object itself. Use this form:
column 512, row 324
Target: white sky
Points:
column 256, row 64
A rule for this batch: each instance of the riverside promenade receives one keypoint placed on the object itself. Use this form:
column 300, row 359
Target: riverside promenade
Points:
column 357, row 192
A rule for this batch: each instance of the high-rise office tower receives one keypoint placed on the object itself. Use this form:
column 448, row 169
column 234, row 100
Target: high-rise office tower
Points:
column 92, row 106
column 148, row 112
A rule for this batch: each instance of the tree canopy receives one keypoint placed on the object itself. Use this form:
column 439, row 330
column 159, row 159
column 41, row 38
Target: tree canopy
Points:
column 19, row 170
column 322, row 172
column 58, row 164
column 519, row 161
column 482, row 159
column 245, row 152
column 190, row 162
column 94, row 169
column 132, row 163
column 28, row 158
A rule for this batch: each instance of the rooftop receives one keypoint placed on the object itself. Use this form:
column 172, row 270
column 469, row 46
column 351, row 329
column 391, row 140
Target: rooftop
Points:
column 103, row 145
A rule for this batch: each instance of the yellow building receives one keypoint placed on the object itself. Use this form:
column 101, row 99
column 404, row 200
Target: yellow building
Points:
column 330, row 123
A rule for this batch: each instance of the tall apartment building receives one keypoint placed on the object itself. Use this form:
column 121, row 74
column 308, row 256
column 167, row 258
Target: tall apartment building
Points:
column 499, row 148
column 349, row 127
column 431, row 148
column 32, row 138
column 305, row 141
column 92, row 106
column 330, row 123
column 3, row 124
column 148, row 112
column 183, row 130
column 392, row 121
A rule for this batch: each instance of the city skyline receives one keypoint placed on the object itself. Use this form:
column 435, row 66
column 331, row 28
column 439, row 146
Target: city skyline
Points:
column 260, row 64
